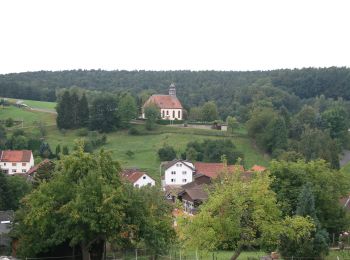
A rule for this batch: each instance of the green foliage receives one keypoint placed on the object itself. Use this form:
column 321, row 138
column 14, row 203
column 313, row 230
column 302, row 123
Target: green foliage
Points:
column 9, row 122
column 85, row 203
column 166, row 153
column 152, row 114
column 232, row 123
column 327, row 186
column 127, row 109
column 83, row 112
column 12, row 190
column 130, row 153
column 45, row 150
column 44, row 173
column 238, row 214
column 213, row 150
column 209, row 111
column 336, row 120
column 133, row 131
column 103, row 114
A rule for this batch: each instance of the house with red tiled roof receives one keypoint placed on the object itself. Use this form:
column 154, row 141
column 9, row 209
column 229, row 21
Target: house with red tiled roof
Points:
column 170, row 107
column 16, row 161
column 212, row 170
column 138, row 178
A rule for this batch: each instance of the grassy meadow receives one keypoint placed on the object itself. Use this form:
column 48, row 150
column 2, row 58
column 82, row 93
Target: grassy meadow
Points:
column 144, row 146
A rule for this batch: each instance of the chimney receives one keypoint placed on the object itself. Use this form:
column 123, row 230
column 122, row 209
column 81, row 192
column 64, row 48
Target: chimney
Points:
column 172, row 90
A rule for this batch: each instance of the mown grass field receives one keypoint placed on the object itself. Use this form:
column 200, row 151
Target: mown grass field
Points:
column 144, row 146
column 28, row 116
column 40, row 104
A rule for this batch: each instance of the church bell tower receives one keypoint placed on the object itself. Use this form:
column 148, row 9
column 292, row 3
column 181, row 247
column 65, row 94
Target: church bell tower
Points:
column 172, row 90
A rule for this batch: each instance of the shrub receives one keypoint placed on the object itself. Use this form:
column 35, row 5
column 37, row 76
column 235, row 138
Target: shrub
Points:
column 133, row 131
column 83, row 132
column 166, row 153
column 9, row 122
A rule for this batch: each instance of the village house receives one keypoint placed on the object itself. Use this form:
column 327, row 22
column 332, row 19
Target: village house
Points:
column 170, row 107
column 16, row 161
column 138, row 178
column 178, row 172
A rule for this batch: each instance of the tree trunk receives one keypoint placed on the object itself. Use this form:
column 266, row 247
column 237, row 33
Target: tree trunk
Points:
column 236, row 254
column 85, row 251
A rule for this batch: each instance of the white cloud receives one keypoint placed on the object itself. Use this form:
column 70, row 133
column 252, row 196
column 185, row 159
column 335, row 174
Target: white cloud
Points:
column 171, row 35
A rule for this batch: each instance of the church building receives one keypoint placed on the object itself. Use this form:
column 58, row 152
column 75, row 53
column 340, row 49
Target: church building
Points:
column 169, row 105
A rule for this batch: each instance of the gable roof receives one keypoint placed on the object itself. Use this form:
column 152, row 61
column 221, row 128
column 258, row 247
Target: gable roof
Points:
column 164, row 101
column 15, row 156
column 212, row 170
column 173, row 162
column 197, row 192
column 133, row 175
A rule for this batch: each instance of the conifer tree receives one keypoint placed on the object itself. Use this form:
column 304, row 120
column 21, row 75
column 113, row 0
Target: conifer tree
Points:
column 64, row 112
column 83, row 111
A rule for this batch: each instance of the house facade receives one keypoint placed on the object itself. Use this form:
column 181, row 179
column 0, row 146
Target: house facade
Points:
column 16, row 161
column 170, row 107
column 178, row 172
column 138, row 178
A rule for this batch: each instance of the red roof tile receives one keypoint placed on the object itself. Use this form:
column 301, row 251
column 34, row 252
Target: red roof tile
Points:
column 164, row 101
column 132, row 175
column 212, row 170
column 15, row 156
column 258, row 168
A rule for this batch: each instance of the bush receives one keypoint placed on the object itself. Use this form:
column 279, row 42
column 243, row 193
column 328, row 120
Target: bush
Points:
column 166, row 153
column 9, row 122
column 83, row 132
column 133, row 131
column 168, row 122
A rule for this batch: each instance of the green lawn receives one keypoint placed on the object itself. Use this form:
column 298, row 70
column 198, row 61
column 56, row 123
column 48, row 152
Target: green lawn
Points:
column 28, row 116
column 145, row 147
column 40, row 104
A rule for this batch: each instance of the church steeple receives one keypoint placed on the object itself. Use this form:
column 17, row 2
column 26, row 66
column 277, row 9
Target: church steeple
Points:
column 172, row 90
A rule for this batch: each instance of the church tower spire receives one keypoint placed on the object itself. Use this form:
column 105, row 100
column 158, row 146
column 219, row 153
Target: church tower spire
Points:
column 172, row 90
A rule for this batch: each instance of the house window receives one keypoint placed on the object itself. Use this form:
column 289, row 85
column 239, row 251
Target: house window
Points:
column 13, row 170
column 163, row 113
column 144, row 177
column 167, row 112
column 184, row 172
column 184, row 180
column 24, row 164
column 14, row 164
column 24, row 170
column 173, row 114
column 173, row 180
column 178, row 165
column 4, row 164
column 179, row 114
column 173, row 172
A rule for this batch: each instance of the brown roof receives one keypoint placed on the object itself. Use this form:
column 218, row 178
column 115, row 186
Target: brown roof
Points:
column 212, row 170
column 133, row 175
column 15, row 156
column 258, row 168
column 164, row 101
column 197, row 192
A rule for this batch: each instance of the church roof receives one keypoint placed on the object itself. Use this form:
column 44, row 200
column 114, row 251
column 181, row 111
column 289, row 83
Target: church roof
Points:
column 164, row 102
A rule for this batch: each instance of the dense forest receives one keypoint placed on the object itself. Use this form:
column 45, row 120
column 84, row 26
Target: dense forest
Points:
column 194, row 88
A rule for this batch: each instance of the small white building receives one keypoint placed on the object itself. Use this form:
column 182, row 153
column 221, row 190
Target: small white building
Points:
column 178, row 172
column 138, row 178
column 169, row 105
column 16, row 161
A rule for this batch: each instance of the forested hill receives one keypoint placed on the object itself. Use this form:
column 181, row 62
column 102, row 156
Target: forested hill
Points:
column 193, row 87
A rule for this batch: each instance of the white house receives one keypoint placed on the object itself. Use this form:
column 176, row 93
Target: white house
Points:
column 138, row 178
column 12, row 162
column 169, row 105
column 178, row 172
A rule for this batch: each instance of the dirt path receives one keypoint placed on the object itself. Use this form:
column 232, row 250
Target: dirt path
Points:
column 51, row 111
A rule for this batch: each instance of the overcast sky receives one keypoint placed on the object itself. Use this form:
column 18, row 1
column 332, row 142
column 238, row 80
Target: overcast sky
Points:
column 173, row 35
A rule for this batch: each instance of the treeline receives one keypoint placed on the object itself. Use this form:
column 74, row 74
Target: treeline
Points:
column 103, row 112
column 194, row 88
